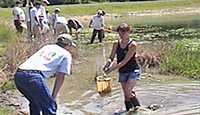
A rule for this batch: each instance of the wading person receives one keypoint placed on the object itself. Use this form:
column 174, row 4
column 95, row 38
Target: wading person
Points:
column 29, row 78
column 19, row 16
column 128, row 68
column 98, row 24
column 75, row 24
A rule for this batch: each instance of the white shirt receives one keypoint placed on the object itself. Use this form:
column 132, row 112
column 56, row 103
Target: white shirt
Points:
column 54, row 18
column 42, row 13
column 98, row 22
column 18, row 11
column 49, row 59
column 60, row 19
column 34, row 14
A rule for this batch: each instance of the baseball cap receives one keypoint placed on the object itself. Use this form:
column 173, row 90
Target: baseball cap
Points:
column 99, row 12
column 46, row 1
column 66, row 39
column 57, row 9
column 37, row 3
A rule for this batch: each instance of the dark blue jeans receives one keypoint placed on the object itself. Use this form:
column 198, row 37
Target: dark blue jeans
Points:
column 33, row 86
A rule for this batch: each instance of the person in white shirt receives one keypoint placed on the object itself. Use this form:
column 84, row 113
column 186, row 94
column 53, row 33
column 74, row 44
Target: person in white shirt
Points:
column 54, row 18
column 35, row 23
column 61, row 25
column 29, row 78
column 98, row 24
column 49, row 18
column 19, row 16
column 43, row 17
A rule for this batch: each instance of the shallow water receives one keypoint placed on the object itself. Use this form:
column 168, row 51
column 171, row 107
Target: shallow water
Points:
column 175, row 94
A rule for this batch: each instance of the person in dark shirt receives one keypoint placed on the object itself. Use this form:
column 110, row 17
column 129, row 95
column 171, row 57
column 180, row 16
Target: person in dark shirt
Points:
column 75, row 24
column 129, row 69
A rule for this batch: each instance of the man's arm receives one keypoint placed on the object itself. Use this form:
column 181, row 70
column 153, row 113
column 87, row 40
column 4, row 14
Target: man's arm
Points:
column 58, row 83
column 90, row 23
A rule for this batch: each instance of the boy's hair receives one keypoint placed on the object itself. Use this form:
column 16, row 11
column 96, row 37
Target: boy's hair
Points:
column 124, row 28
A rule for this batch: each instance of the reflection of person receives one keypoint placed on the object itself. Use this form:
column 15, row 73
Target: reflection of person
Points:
column 129, row 70
column 75, row 24
column 98, row 24
column 29, row 78
column 19, row 16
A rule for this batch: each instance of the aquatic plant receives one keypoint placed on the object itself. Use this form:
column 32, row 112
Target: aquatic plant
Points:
column 182, row 58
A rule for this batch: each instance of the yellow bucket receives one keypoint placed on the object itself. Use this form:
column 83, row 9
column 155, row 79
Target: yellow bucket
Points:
column 103, row 86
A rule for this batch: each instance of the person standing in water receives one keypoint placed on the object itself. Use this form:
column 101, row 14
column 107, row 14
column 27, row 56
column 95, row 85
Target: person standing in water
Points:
column 129, row 69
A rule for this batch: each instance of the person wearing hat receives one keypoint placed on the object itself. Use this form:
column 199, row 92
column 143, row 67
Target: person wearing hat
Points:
column 98, row 24
column 29, row 77
column 19, row 16
column 54, row 18
column 75, row 24
column 43, row 17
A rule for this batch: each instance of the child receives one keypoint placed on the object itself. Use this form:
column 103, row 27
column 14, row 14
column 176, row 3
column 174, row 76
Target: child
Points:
column 128, row 68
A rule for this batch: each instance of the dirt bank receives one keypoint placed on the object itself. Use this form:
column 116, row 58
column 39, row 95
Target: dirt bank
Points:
column 143, row 13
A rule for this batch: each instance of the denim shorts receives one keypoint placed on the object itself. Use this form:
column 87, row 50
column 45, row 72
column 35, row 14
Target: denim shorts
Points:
column 135, row 74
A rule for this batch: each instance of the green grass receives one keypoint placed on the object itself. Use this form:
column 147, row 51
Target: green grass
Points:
column 182, row 58
column 5, row 110
column 114, row 7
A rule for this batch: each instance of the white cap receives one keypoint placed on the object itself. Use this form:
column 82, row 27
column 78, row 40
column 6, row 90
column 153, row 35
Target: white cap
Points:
column 57, row 9
column 46, row 1
column 99, row 12
column 66, row 39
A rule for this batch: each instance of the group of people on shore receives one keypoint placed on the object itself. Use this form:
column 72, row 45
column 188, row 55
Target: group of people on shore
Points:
column 39, row 20
column 57, row 58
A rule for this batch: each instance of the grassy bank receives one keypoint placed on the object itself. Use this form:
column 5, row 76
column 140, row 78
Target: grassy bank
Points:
column 182, row 58
column 114, row 7
column 5, row 110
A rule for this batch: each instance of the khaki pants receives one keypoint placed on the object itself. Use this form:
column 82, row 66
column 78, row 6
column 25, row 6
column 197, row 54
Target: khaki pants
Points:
column 36, row 30
column 61, row 28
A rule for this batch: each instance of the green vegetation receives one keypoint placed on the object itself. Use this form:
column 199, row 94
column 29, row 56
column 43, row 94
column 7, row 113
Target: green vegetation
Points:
column 7, row 32
column 182, row 58
column 5, row 110
column 113, row 7
column 123, row 7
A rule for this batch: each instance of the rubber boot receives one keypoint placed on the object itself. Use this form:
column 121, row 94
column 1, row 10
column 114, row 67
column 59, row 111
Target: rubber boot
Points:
column 135, row 101
column 128, row 105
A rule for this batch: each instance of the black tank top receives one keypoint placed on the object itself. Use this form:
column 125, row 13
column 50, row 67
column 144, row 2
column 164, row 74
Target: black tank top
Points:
column 132, row 64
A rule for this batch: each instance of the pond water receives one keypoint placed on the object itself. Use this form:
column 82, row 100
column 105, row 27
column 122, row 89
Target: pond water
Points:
column 175, row 94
